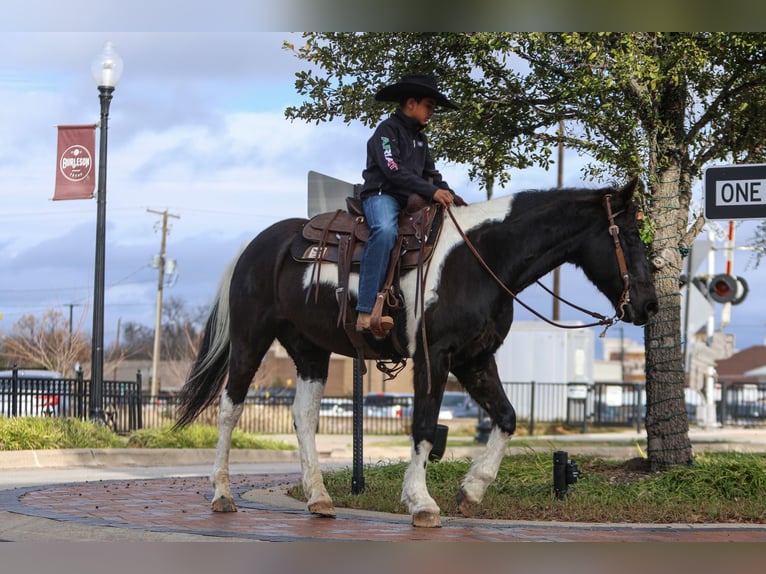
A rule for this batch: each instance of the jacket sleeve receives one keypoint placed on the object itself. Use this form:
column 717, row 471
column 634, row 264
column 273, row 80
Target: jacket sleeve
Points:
column 436, row 177
column 384, row 152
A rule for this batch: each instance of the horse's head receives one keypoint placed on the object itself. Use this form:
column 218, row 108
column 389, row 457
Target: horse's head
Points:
column 620, row 269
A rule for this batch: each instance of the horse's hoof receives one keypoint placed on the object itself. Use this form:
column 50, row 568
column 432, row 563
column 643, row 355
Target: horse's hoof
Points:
column 224, row 504
column 322, row 508
column 426, row 519
column 467, row 507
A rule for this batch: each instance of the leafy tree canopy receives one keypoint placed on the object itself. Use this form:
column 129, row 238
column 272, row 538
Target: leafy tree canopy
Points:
column 629, row 100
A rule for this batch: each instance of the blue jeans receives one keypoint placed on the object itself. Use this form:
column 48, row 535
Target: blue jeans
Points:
column 382, row 213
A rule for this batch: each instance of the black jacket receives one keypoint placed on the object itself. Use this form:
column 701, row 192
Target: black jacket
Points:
column 399, row 162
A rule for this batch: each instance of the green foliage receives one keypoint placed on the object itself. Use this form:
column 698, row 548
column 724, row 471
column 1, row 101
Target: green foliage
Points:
column 35, row 433
column 719, row 487
column 199, row 436
column 634, row 102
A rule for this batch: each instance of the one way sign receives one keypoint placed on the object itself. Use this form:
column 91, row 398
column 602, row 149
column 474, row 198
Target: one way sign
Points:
column 735, row 192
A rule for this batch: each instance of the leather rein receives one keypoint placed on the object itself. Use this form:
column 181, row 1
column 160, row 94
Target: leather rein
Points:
column 607, row 322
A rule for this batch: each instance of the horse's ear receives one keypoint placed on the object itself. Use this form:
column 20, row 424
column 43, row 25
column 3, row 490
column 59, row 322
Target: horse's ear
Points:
column 626, row 192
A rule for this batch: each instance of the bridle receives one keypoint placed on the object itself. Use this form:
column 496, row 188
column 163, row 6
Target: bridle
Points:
column 614, row 231
column 602, row 320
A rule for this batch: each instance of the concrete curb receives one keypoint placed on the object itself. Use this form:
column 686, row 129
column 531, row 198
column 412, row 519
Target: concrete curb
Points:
column 338, row 449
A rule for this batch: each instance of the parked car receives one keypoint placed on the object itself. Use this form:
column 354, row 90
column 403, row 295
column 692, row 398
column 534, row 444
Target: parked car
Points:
column 334, row 407
column 388, row 405
column 457, row 405
column 37, row 393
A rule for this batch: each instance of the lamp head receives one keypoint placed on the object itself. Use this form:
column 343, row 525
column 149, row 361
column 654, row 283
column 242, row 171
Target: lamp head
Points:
column 107, row 67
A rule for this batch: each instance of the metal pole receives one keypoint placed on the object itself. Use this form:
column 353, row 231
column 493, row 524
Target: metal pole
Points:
column 96, row 403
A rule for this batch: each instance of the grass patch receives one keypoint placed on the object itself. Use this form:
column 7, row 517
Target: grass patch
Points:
column 41, row 433
column 717, row 488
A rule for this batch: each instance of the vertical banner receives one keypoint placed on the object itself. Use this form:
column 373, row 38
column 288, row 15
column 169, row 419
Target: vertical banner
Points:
column 75, row 168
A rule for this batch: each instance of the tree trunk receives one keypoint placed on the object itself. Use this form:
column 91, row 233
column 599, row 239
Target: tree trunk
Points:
column 667, row 427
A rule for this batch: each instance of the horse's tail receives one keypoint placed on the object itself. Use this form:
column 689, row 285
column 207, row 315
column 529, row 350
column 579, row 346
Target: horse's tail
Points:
column 208, row 374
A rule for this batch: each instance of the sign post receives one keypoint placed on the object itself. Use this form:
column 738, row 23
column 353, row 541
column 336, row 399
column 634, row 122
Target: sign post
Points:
column 327, row 194
column 735, row 192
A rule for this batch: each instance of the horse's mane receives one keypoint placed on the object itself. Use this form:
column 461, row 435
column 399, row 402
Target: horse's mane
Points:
column 567, row 202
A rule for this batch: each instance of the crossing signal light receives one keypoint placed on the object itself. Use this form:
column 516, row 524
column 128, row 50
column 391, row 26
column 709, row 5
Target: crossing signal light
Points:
column 724, row 288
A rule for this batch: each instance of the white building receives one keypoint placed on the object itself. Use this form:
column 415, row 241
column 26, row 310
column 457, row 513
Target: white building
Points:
column 537, row 351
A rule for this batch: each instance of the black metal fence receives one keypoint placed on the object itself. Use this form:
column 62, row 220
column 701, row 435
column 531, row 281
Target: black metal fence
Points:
column 742, row 404
column 274, row 415
column 32, row 395
column 572, row 404
column 575, row 404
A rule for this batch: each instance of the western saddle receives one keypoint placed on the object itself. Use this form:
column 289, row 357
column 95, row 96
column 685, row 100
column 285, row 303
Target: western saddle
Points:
column 338, row 237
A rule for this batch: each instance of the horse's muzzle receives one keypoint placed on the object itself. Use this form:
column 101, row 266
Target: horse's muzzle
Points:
column 641, row 315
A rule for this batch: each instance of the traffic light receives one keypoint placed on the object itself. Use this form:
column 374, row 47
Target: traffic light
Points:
column 723, row 288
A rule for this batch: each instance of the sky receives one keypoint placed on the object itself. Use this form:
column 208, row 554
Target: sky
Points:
column 197, row 127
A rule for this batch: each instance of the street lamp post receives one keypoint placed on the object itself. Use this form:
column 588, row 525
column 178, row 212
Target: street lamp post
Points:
column 106, row 70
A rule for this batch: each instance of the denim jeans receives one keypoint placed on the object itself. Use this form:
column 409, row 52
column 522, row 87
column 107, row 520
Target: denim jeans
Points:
column 382, row 213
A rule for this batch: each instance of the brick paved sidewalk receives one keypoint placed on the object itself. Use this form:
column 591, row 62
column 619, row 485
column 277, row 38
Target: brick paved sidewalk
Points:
column 179, row 508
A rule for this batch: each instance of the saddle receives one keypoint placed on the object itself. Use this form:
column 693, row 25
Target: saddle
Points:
column 327, row 234
column 339, row 237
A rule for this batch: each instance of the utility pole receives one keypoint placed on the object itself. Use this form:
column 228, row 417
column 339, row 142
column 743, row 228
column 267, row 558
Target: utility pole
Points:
column 71, row 305
column 117, row 347
column 557, row 271
column 158, row 317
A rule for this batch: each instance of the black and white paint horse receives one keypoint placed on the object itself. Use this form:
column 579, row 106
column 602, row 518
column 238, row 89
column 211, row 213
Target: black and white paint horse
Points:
column 467, row 313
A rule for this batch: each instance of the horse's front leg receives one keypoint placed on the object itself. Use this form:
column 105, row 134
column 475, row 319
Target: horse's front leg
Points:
column 223, row 501
column 423, row 508
column 483, row 472
column 308, row 396
column 483, row 384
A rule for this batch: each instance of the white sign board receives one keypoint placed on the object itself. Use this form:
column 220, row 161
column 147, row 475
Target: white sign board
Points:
column 577, row 391
column 735, row 192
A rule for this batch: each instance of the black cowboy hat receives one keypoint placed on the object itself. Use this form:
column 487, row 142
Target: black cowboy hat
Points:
column 414, row 85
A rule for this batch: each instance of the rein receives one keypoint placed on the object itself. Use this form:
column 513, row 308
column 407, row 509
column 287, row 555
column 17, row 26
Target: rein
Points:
column 608, row 322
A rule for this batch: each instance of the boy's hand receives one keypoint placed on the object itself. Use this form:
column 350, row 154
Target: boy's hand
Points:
column 444, row 197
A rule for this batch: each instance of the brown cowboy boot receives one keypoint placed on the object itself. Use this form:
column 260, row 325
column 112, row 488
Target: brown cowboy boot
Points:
column 377, row 326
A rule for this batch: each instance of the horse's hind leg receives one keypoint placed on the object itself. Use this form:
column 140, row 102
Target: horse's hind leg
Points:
column 306, row 413
column 482, row 382
column 312, row 365
column 223, row 500
column 245, row 357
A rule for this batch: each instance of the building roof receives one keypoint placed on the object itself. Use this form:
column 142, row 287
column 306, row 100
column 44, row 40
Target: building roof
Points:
column 740, row 363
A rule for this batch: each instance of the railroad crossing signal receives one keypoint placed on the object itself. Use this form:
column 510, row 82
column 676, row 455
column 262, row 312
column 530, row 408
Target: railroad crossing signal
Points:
column 722, row 288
